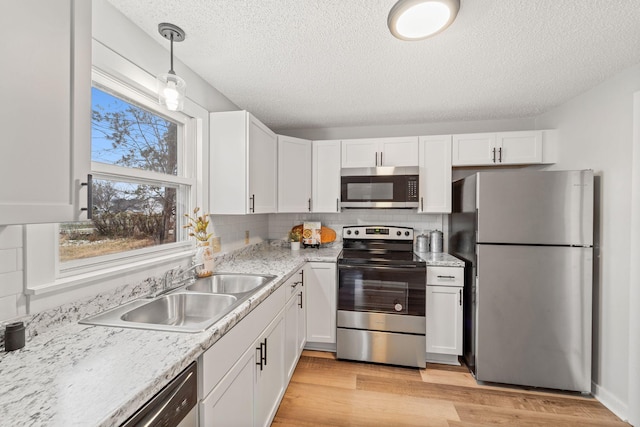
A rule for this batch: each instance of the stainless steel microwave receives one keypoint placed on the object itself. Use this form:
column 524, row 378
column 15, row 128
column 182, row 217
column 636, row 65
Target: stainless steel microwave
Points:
column 379, row 191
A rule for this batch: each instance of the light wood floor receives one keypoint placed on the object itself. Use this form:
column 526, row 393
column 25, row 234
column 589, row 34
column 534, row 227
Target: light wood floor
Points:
column 326, row 391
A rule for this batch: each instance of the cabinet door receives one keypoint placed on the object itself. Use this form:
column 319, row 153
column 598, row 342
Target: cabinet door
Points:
column 435, row 174
column 231, row 402
column 291, row 320
column 294, row 174
column 270, row 374
column 302, row 321
column 325, row 192
column 398, row 152
column 263, row 148
column 474, row 149
column 46, row 113
column 517, row 148
column 320, row 287
column 360, row 153
column 444, row 320
column 228, row 163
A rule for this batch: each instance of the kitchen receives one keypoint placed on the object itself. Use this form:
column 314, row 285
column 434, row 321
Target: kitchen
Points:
column 596, row 126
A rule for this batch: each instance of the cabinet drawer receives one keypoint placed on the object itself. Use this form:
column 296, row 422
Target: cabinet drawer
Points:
column 445, row 276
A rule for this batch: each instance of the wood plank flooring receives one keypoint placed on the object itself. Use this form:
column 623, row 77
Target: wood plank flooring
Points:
column 329, row 392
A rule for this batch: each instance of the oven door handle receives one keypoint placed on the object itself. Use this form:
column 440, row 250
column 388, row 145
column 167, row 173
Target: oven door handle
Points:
column 381, row 266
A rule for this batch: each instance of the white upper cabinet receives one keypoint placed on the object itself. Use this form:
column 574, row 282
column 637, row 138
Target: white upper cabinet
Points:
column 294, row 174
column 366, row 153
column 435, row 174
column 46, row 116
column 501, row 148
column 325, row 180
column 243, row 164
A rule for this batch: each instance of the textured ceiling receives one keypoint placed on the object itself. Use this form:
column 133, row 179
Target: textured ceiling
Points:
column 324, row 63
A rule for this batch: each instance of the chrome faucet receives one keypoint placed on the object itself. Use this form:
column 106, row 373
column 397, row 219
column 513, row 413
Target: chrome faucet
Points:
column 168, row 281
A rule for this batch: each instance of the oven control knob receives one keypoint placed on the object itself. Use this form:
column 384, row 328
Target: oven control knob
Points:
column 356, row 232
column 348, row 232
column 398, row 233
column 406, row 233
column 398, row 307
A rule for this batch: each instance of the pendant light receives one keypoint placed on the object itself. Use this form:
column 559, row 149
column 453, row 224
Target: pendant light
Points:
column 171, row 87
column 419, row 19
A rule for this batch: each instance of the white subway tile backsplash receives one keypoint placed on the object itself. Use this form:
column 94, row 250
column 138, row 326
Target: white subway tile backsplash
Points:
column 8, row 260
column 8, row 307
column 11, row 283
column 10, row 237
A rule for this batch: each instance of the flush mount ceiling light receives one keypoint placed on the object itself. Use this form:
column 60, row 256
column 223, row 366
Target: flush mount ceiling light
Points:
column 171, row 88
column 419, row 19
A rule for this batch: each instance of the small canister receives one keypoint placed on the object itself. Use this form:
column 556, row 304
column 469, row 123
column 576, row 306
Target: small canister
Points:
column 14, row 336
column 422, row 243
column 436, row 241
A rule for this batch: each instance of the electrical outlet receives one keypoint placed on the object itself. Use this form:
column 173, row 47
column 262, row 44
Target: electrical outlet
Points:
column 216, row 244
column 246, row 237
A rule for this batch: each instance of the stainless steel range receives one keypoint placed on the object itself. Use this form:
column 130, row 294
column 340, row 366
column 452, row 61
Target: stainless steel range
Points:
column 381, row 297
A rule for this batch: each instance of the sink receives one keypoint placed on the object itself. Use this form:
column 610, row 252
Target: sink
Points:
column 193, row 308
column 230, row 283
column 181, row 309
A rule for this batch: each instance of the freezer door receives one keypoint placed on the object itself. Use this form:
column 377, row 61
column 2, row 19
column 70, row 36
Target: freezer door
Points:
column 534, row 316
column 536, row 207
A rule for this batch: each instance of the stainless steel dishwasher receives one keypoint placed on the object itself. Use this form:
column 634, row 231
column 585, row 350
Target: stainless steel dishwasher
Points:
column 173, row 406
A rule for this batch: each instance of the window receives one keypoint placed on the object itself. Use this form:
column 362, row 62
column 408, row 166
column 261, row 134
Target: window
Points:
column 143, row 179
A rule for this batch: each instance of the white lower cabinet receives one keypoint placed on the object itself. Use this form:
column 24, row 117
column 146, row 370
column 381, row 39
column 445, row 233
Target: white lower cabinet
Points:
column 321, row 291
column 232, row 402
column 242, row 376
column 269, row 368
column 444, row 313
column 295, row 325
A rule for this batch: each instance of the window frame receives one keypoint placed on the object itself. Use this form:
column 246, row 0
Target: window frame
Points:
column 186, row 179
column 45, row 282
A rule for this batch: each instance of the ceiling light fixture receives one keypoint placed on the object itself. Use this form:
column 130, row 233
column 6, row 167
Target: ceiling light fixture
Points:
column 171, row 88
column 419, row 19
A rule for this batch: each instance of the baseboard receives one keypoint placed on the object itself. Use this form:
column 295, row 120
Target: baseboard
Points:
column 320, row 346
column 444, row 359
column 615, row 405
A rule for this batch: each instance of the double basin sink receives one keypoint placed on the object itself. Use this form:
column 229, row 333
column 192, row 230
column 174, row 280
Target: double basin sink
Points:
column 189, row 308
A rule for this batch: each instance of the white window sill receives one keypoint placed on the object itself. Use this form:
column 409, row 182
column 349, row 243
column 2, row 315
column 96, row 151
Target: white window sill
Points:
column 80, row 280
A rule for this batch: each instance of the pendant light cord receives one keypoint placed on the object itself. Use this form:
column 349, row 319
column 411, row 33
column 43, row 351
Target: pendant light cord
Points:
column 171, row 70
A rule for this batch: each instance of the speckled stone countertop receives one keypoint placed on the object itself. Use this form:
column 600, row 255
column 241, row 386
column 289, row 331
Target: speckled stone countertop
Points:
column 440, row 259
column 79, row 375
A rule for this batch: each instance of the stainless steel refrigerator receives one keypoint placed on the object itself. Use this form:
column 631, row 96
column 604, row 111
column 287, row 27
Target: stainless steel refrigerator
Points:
column 527, row 237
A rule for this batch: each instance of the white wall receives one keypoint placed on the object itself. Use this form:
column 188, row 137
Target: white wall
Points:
column 596, row 132
column 443, row 128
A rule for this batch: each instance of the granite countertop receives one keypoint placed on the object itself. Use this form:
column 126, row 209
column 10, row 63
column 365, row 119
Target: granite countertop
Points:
column 440, row 259
column 80, row 375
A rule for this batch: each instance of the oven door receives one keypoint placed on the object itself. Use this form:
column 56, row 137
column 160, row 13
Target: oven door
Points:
column 394, row 290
